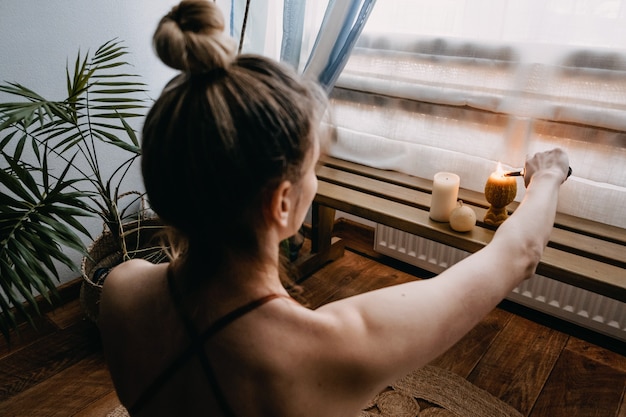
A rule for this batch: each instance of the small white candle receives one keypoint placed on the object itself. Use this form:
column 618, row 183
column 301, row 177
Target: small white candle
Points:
column 462, row 218
column 445, row 193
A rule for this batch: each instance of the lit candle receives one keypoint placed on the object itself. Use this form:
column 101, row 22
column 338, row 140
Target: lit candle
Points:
column 500, row 191
column 445, row 193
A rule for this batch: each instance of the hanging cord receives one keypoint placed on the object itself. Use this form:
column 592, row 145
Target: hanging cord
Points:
column 243, row 27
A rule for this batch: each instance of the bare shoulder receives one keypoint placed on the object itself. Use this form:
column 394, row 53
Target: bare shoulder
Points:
column 132, row 274
column 129, row 284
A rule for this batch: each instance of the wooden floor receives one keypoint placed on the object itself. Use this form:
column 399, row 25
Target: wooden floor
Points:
column 535, row 364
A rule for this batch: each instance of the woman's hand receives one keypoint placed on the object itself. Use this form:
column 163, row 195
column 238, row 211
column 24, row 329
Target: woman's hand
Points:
column 555, row 161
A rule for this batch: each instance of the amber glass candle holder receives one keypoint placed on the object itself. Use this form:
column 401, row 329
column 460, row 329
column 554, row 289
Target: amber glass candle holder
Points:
column 500, row 191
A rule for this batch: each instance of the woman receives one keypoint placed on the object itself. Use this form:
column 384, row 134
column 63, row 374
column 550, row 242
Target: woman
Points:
column 229, row 151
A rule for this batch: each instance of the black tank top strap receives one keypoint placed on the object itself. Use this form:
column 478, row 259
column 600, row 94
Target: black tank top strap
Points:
column 196, row 348
column 237, row 313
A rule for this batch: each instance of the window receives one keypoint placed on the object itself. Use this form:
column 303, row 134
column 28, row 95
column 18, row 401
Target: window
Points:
column 459, row 85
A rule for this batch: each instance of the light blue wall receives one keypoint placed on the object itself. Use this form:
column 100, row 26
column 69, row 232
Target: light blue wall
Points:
column 38, row 37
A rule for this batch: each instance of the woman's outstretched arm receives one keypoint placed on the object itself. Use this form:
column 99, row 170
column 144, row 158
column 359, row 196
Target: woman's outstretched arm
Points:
column 400, row 328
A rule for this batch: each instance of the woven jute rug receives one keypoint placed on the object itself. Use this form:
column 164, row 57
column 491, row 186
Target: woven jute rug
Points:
column 427, row 392
column 119, row 411
column 436, row 392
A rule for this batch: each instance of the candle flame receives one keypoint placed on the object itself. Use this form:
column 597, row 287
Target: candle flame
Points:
column 499, row 171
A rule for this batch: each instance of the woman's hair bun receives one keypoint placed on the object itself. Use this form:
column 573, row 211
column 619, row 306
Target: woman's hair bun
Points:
column 191, row 38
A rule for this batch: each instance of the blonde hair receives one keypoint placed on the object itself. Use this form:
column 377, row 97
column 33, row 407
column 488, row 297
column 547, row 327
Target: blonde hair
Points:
column 191, row 38
column 223, row 133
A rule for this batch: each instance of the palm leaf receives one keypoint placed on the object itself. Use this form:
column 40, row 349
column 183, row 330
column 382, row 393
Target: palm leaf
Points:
column 41, row 209
column 13, row 183
column 29, row 239
column 8, row 138
column 25, row 178
column 10, row 299
column 23, row 263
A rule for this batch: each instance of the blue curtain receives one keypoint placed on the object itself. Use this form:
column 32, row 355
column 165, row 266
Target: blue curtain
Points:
column 340, row 28
column 351, row 28
column 342, row 24
column 293, row 29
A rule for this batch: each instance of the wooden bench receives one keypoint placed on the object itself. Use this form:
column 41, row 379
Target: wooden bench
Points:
column 581, row 253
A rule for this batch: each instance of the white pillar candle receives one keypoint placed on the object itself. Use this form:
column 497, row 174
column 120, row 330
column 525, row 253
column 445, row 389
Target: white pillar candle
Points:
column 445, row 193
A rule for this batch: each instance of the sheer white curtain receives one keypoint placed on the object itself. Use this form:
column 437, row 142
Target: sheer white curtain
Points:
column 459, row 85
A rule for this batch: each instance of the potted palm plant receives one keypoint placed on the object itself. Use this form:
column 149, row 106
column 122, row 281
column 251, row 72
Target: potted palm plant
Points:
column 53, row 152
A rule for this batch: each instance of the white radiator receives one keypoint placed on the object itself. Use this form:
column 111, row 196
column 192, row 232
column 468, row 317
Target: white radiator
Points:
column 584, row 308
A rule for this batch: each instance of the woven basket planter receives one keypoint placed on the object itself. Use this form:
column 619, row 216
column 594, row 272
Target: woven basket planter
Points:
column 141, row 239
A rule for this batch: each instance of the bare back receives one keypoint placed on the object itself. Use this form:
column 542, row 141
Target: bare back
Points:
column 272, row 361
